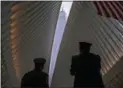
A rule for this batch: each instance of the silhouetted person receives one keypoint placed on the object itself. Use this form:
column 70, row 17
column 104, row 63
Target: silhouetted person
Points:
column 86, row 68
column 36, row 78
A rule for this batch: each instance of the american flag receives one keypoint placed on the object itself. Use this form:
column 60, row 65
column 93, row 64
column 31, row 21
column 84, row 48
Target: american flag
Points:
column 112, row 9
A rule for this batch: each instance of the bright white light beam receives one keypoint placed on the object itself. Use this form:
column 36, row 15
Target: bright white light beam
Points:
column 57, row 39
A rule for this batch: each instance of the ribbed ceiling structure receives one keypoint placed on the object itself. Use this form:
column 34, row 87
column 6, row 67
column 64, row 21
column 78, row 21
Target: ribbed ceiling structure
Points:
column 84, row 24
column 27, row 33
column 28, row 30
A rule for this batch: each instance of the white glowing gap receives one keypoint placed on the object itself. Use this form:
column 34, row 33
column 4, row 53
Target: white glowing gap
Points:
column 66, row 6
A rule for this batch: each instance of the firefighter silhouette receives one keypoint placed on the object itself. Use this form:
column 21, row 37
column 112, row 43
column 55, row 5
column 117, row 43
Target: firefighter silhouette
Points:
column 86, row 68
column 36, row 78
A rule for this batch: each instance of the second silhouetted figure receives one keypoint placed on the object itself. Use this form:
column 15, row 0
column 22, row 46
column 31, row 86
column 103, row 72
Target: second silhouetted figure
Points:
column 36, row 78
column 86, row 68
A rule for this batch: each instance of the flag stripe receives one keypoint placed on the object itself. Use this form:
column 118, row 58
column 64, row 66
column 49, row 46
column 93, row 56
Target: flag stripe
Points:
column 98, row 8
column 101, row 9
column 104, row 6
column 120, row 12
column 112, row 9
column 120, row 5
column 107, row 9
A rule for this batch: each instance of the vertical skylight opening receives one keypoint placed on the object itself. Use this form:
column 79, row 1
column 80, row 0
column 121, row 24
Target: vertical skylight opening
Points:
column 60, row 27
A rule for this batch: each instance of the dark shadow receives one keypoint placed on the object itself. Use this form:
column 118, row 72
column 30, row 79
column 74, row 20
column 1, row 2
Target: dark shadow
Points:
column 117, row 78
column 36, row 78
column 86, row 68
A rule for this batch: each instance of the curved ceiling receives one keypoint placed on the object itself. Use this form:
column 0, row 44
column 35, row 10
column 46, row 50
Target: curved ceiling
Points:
column 85, row 24
column 27, row 33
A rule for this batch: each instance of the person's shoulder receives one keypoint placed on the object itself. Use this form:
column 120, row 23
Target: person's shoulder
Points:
column 74, row 57
column 44, row 73
column 96, row 56
column 29, row 72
